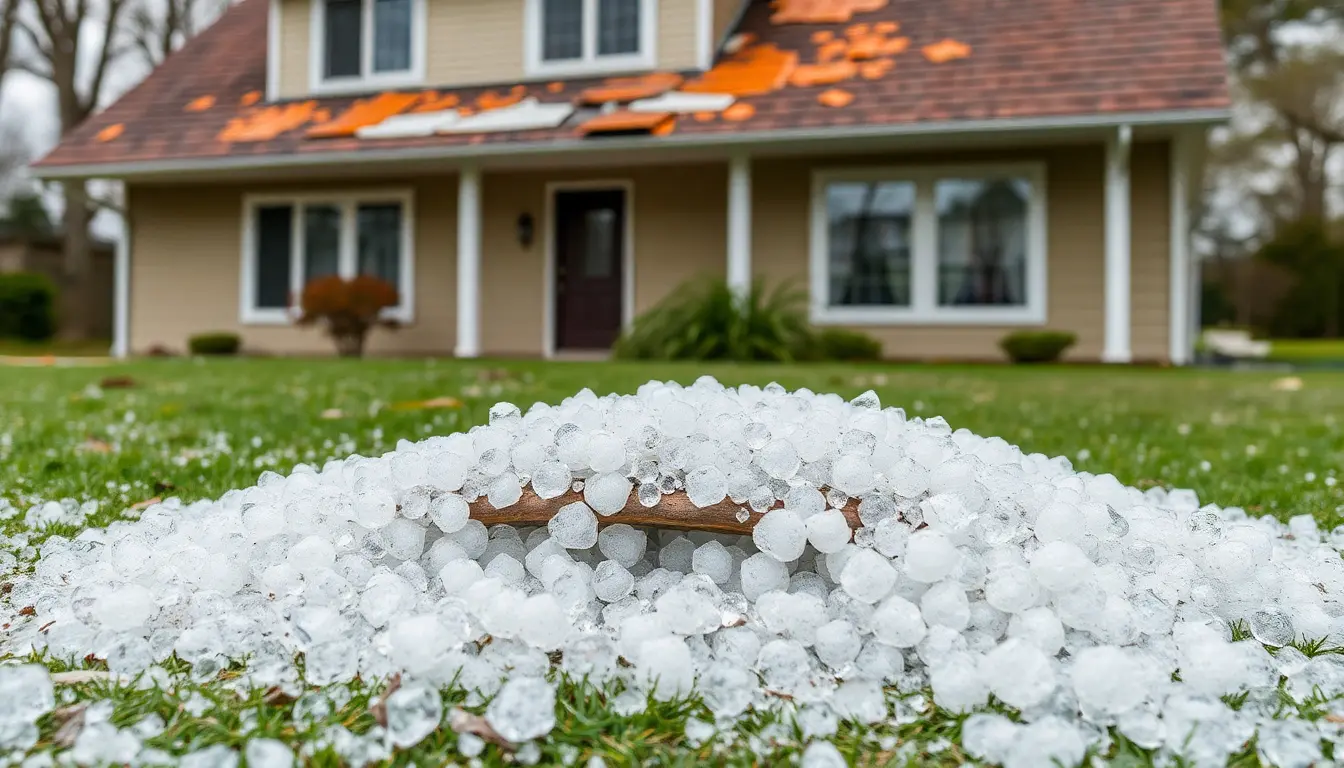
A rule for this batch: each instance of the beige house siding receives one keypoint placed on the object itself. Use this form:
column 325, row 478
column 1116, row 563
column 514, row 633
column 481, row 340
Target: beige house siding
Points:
column 475, row 42
column 186, row 253
column 726, row 13
column 295, row 22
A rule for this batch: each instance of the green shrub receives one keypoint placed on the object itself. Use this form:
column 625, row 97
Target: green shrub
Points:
column 1036, row 346
column 840, row 345
column 216, row 343
column 27, row 307
column 704, row 320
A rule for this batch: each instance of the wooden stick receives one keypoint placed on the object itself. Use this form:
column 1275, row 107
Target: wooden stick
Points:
column 675, row 511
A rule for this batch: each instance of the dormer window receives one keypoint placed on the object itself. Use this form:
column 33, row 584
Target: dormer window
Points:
column 578, row 37
column 361, row 45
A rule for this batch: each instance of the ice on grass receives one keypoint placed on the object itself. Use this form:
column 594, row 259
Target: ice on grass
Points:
column 982, row 574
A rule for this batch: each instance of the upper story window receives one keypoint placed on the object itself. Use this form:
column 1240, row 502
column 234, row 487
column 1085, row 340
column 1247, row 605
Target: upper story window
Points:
column 569, row 37
column 364, row 44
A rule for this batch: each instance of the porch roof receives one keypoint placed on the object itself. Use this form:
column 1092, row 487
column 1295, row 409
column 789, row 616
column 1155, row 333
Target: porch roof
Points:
column 897, row 66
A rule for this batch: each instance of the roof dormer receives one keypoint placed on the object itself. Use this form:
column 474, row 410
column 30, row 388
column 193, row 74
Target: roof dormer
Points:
column 565, row 38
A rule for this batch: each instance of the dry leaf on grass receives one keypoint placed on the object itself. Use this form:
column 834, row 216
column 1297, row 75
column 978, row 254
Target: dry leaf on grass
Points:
column 276, row 696
column 333, row 413
column 462, row 721
column 432, row 403
column 117, row 382
column 379, row 708
column 146, row 504
column 96, row 446
column 79, row 676
column 1288, row 384
column 70, row 721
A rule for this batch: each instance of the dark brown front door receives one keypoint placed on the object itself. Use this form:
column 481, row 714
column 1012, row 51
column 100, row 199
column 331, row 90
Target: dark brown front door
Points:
column 589, row 255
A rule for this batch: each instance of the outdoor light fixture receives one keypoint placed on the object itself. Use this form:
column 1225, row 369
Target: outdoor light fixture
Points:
column 526, row 229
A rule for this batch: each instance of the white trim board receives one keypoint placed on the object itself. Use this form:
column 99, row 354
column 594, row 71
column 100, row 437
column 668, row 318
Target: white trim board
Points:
column 924, row 308
column 273, row 25
column 590, row 63
column 787, row 139
column 319, row 85
column 347, row 201
column 549, row 304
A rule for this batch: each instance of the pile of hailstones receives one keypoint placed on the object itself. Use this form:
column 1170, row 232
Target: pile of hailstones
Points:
column 979, row 571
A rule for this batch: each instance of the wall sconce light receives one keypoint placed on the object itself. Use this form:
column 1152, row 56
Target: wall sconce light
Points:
column 527, row 229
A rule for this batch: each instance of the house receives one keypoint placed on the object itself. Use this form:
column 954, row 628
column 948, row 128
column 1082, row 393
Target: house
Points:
column 532, row 174
column 44, row 254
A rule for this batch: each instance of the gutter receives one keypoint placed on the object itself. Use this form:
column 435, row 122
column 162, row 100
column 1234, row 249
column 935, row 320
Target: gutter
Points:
column 761, row 139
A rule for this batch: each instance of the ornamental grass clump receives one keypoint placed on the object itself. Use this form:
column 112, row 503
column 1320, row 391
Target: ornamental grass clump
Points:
column 348, row 308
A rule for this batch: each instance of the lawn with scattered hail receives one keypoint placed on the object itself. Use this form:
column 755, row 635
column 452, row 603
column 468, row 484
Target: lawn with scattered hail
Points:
column 109, row 439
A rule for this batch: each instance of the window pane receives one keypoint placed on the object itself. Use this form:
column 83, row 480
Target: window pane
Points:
column 600, row 238
column 344, row 33
column 274, row 248
column 982, row 242
column 618, row 27
column 380, row 242
column 561, row 30
column 869, row 242
column 321, row 241
column 391, row 35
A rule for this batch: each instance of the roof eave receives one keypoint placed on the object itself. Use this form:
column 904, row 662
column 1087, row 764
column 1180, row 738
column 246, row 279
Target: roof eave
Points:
column 768, row 138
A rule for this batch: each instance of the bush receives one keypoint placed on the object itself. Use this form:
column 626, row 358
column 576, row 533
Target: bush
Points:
column 840, row 345
column 1036, row 346
column 704, row 320
column 1314, row 305
column 217, row 343
column 27, row 307
column 348, row 308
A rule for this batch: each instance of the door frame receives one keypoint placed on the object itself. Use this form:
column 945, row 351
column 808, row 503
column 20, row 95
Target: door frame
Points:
column 550, row 305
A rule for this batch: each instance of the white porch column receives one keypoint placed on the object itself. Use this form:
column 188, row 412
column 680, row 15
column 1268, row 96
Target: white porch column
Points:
column 1179, row 313
column 1116, row 349
column 121, row 290
column 468, row 262
column 739, row 224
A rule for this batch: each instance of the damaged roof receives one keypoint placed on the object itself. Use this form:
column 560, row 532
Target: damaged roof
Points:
column 793, row 65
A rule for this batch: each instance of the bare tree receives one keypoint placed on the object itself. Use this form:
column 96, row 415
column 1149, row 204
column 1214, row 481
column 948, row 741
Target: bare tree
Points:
column 9, row 16
column 156, row 28
column 72, row 44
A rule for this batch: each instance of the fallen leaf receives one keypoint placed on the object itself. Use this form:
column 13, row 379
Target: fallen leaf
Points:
column 277, row 697
column 117, row 382
column 28, row 610
column 1288, row 384
column 333, row 413
column 97, row 446
column 146, row 504
column 70, row 722
column 379, row 708
column 462, row 721
column 163, row 485
column 432, row 403
column 1334, row 718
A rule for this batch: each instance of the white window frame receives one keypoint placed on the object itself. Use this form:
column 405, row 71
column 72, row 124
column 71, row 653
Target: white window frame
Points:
column 590, row 63
column 367, row 80
column 348, row 258
column 924, row 308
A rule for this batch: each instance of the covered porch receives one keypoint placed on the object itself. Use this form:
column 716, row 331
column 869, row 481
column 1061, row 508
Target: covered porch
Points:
column 504, row 257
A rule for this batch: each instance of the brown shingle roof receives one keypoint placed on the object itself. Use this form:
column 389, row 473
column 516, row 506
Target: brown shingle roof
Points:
column 894, row 63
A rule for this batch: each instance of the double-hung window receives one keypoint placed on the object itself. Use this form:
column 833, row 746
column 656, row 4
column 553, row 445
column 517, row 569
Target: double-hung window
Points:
column 590, row 36
column 931, row 245
column 362, row 44
column 288, row 241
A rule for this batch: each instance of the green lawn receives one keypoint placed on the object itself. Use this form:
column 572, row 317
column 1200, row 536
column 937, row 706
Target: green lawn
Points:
column 1308, row 351
column 195, row 429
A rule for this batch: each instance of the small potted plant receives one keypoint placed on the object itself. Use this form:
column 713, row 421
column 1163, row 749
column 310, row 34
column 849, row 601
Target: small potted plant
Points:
column 349, row 309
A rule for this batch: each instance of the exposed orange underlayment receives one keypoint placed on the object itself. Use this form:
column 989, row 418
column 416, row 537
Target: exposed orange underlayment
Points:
column 555, row 87
column 821, row 11
column 267, row 123
column 624, row 121
column 111, row 132
column 200, row 103
column 494, row 100
column 626, row 89
column 835, row 97
column 364, row 112
column 946, row 50
column 739, row 112
column 433, row 101
column 807, row 75
column 250, row 98
column 754, row 71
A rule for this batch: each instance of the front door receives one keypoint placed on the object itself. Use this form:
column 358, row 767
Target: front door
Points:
column 589, row 258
